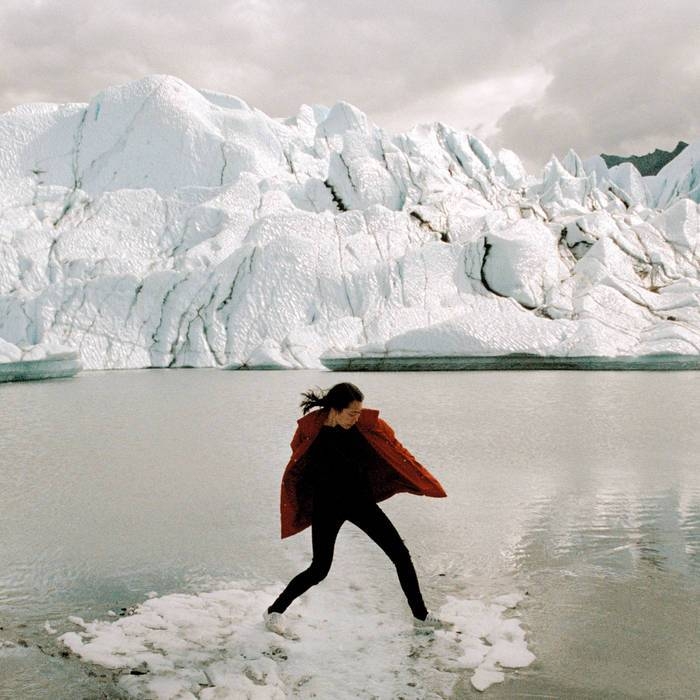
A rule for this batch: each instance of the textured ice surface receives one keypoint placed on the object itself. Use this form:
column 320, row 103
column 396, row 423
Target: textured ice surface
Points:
column 214, row 645
column 42, row 361
column 160, row 225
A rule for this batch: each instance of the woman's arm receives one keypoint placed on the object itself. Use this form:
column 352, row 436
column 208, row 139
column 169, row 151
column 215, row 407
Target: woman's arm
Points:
column 428, row 483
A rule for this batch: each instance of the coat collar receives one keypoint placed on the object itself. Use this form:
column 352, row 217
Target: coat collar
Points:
column 311, row 423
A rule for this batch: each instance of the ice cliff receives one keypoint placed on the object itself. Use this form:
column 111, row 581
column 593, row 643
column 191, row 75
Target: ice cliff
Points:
column 160, row 225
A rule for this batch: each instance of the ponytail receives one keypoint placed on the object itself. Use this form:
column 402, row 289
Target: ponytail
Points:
column 338, row 397
column 312, row 400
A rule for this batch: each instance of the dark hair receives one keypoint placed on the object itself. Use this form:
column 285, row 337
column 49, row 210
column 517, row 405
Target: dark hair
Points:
column 339, row 396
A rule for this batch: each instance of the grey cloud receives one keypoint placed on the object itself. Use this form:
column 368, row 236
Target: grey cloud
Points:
column 624, row 74
column 629, row 84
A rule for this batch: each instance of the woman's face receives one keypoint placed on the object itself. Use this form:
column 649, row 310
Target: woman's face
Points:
column 349, row 415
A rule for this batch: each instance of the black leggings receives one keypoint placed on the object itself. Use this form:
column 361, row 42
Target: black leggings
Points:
column 325, row 525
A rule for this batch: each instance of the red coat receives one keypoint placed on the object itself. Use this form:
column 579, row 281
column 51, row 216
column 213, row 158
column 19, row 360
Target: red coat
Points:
column 394, row 470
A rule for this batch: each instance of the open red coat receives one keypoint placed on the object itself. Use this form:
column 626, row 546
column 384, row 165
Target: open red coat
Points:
column 394, row 469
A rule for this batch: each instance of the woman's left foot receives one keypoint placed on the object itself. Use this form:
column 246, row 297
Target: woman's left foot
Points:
column 431, row 622
column 275, row 622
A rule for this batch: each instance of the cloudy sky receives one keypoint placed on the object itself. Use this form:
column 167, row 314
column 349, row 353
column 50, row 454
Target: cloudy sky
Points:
column 535, row 76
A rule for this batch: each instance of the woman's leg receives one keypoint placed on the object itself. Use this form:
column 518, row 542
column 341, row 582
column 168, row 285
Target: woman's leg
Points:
column 325, row 526
column 374, row 522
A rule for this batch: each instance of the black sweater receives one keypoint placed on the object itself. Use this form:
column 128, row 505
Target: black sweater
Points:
column 338, row 467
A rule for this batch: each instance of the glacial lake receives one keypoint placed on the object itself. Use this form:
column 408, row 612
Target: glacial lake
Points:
column 581, row 489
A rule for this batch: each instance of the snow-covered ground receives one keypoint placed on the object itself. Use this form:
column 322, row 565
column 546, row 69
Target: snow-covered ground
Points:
column 162, row 225
column 214, row 646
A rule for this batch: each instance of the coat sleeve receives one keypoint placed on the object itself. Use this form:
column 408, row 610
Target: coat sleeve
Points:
column 386, row 430
column 296, row 439
column 427, row 479
column 294, row 506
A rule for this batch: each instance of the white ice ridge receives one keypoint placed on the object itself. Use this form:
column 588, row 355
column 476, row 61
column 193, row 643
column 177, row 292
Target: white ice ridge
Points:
column 214, row 646
column 42, row 361
column 162, row 225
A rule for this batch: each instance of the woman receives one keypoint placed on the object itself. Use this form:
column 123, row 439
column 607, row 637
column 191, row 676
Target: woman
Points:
column 344, row 460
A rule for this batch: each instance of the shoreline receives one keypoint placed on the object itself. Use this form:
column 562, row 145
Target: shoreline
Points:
column 46, row 368
column 513, row 361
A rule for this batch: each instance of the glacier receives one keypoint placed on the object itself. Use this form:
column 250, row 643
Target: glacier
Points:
column 160, row 225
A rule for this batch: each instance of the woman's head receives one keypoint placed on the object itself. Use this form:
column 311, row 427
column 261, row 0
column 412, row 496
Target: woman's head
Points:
column 343, row 401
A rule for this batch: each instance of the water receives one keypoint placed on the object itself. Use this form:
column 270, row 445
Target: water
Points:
column 580, row 488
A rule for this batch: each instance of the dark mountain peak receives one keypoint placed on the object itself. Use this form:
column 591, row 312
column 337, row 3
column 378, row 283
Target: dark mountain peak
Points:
column 648, row 164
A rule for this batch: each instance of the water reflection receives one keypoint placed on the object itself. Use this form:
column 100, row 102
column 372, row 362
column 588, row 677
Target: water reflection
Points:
column 615, row 531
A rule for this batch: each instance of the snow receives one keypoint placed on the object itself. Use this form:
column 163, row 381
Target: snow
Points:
column 521, row 262
column 159, row 225
column 214, row 645
column 630, row 182
column 679, row 178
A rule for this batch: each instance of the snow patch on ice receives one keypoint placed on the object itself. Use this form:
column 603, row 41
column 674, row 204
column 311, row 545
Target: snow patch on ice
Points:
column 213, row 645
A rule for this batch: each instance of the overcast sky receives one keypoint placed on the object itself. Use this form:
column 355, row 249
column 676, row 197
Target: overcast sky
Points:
column 535, row 76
